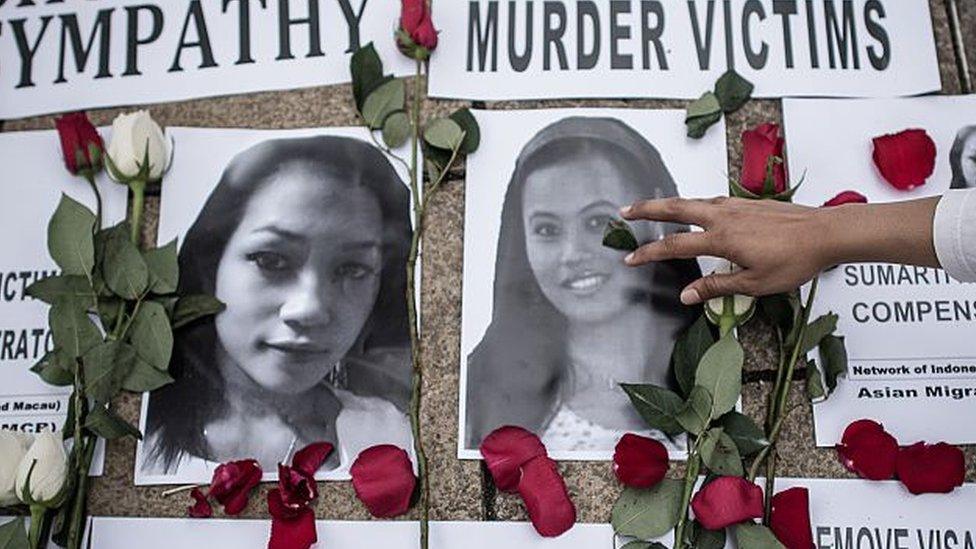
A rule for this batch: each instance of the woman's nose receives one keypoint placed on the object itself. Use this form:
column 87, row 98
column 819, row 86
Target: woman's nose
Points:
column 575, row 249
column 307, row 303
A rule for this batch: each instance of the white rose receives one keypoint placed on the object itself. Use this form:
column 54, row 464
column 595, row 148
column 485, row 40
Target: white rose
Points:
column 743, row 305
column 13, row 446
column 50, row 468
column 133, row 135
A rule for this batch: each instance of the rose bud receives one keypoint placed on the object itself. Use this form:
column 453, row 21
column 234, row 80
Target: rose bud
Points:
column 759, row 146
column 743, row 306
column 13, row 446
column 46, row 465
column 81, row 145
column 139, row 149
column 416, row 36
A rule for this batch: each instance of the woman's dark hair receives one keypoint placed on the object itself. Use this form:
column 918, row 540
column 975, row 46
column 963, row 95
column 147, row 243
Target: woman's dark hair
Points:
column 178, row 413
column 514, row 373
column 956, row 160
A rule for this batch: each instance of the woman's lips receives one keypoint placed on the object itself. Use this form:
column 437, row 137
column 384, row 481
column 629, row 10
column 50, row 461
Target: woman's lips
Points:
column 586, row 283
column 296, row 348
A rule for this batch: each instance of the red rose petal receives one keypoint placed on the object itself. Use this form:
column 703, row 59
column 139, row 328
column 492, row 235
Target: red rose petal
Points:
column 758, row 145
column 290, row 529
column 868, row 450
column 546, row 498
column 846, row 197
column 202, row 508
column 790, row 520
column 639, row 461
column 505, row 450
column 905, row 159
column 297, row 488
column 384, row 481
column 726, row 501
column 310, row 458
column 931, row 469
column 232, row 484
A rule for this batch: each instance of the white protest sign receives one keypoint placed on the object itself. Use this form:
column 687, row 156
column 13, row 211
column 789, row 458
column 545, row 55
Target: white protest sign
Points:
column 908, row 329
column 527, row 49
column 74, row 54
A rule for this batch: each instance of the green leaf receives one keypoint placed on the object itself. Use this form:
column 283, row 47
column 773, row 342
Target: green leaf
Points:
column 69, row 237
column 152, row 336
column 696, row 412
column 707, row 539
column 648, row 513
column 73, row 331
column 109, row 425
column 53, row 288
column 618, row 235
column 444, row 133
column 781, row 310
column 382, row 102
column 689, row 350
column 733, row 91
column 396, row 129
column 833, row 356
column 52, row 371
column 817, row 330
column 144, row 377
column 367, row 73
column 720, row 372
column 814, row 384
column 125, row 272
column 702, row 113
column 193, row 307
column 756, row 536
column 13, row 535
column 164, row 268
column 658, row 406
column 106, row 367
column 744, row 432
column 469, row 125
column 108, row 310
column 644, row 545
column 720, row 454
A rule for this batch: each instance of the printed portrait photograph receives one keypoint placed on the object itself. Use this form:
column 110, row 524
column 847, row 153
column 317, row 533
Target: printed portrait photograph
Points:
column 554, row 321
column 962, row 158
column 304, row 237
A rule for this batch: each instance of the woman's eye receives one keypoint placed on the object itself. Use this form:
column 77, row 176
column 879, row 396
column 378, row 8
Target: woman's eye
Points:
column 597, row 222
column 355, row 271
column 269, row 261
column 546, row 230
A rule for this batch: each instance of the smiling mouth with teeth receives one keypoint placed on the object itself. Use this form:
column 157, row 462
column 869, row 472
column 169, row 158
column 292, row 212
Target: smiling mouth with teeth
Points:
column 586, row 284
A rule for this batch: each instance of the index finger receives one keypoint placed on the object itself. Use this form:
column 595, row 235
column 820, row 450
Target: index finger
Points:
column 672, row 210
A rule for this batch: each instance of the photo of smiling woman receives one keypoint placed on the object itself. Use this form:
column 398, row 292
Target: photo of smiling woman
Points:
column 570, row 321
column 305, row 241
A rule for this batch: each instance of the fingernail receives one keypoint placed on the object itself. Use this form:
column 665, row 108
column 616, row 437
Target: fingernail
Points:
column 690, row 297
column 626, row 210
column 629, row 258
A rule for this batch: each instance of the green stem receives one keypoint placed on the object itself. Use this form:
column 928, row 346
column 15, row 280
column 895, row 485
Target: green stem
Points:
column 138, row 187
column 76, row 529
column 90, row 177
column 691, row 478
column 38, row 515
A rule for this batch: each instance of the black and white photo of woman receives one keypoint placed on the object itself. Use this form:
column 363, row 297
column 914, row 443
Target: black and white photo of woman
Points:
column 962, row 158
column 305, row 241
column 570, row 321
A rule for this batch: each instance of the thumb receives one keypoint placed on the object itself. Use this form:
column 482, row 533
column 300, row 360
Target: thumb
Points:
column 712, row 286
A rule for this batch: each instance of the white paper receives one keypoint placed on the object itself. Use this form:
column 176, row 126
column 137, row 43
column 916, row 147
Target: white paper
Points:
column 34, row 180
column 698, row 168
column 844, row 513
column 831, row 142
column 895, row 48
column 201, row 159
column 248, row 51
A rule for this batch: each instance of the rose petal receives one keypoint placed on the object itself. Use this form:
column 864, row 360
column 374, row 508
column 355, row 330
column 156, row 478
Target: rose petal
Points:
column 297, row 488
column 639, row 461
column 790, row 519
column 310, row 458
column 505, row 450
column 232, row 484
column 867, row 450
column 202, row 508
column 546, row 498
column 726, row 501
column 846, row 197
column 290, row 529
column 758, row 145
column 384, row 481
column 931, row 469
column 905, row 159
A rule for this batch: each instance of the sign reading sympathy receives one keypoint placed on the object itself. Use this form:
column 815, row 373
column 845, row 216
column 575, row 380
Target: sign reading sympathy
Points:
column 61, row 55
column 532, row 49
column 33, row 182
column 909, row 330
column 839, row 519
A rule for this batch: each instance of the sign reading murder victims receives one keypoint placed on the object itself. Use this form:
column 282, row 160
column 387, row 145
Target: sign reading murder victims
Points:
column 533, row 49
column 909, row 330
column 61, row 55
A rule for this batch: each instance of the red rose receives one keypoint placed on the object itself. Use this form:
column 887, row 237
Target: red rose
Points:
column 905, row 159
column 81, row 145
column 201, row 508
column 546, row 499
column 232, row 484
column 846, row 197
column 931, row 469
column 868, row 450
column 759, row 145
column 639, row 461
column 290, row 528
column 726, row 501
column 505, row 450
column 297, row 488
column 292, row 520
column 417, row 37
column 790, row 519
column 384, row 481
